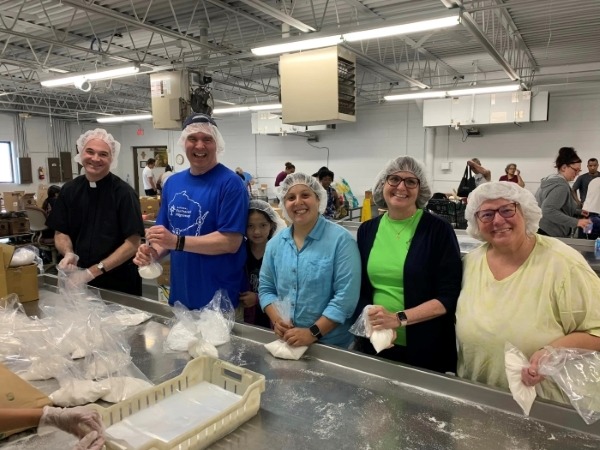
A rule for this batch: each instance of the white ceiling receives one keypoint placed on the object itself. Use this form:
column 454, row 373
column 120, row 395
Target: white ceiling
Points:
column 547, row 44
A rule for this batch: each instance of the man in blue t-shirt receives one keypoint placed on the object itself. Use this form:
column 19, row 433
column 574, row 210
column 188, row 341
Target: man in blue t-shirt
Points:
column 201, row 222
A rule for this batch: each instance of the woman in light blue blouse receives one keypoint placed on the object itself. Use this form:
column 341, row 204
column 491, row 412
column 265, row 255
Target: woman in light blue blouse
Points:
column 315, row 264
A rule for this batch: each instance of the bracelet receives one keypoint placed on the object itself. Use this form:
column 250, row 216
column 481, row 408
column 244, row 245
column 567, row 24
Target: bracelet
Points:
column 180, row 243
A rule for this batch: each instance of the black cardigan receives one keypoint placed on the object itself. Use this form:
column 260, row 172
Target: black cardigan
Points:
column 433, row 269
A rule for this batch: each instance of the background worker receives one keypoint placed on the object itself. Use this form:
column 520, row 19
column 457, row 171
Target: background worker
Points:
column 148, row 178
column 582, row 182
column 482, row 175
column 98, row 219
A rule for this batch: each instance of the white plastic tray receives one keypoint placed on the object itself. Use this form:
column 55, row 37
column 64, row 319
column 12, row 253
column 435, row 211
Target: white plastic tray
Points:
column 249, row 385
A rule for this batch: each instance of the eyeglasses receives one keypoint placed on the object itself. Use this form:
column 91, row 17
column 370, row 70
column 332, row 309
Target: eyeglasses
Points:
column 507, row 211
column 575, row 169
column 395, row 180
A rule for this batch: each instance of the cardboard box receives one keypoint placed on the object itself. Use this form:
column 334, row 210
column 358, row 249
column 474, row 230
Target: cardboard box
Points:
column 22, row 281
column 150, row 206
column 4, row 227
column 42, row 194
column 165, row 277
column 29, row 200
column 18, row 225
column 18, row 393
column 13, row 201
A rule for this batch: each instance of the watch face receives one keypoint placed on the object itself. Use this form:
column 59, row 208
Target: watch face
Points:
column 315, row 331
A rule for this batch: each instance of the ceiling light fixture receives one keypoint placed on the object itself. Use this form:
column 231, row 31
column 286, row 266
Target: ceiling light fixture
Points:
column 408, row 28
column 263, row 107
column 115, row 72
column 372, row 33
column 128, row 118
column 454, row 93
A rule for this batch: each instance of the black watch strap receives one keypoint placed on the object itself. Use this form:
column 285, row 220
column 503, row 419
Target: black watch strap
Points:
column 315, row 331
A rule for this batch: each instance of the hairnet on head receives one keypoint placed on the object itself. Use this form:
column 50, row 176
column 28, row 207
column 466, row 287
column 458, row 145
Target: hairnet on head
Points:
column 509, row 191
column 201, row 123
column 301, row 178
column 103, row 135
column 261, row 205
column 402, row 164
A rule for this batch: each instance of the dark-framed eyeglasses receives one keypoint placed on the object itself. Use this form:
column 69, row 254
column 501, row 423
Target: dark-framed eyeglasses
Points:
column 575, row 168
column 507, row 211
column 409, row 182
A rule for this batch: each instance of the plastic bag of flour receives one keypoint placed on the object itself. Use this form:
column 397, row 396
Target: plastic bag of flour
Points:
column 515, row 361
column 380, row 339
column 279, row 348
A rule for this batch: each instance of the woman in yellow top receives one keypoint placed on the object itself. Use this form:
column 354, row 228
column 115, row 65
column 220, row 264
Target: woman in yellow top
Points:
column 520, row 287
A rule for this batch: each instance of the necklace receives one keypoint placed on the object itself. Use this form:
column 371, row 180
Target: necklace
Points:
column 406, row 225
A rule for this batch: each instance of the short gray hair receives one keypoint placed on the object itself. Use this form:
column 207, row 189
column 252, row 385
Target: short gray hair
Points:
column 402, row 164
column 506, row 190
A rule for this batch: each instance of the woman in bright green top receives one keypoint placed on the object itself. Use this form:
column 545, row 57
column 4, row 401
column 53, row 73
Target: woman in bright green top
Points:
column 411, row 270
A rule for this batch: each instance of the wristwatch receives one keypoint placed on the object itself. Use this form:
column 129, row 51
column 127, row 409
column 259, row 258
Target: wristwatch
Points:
column 100, row 267
column 402, row 318
column 315, row 331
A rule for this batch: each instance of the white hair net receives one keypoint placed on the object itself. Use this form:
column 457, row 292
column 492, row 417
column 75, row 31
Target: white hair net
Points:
column 506, row 190
column 402, row 164
column 103, row 135
column 261, row 205
column 301, row 178
column 206, row 128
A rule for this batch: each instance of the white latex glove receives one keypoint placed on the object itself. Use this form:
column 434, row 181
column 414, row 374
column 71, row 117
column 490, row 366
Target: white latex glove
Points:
column 91, row 441
column 79, row 278
column 69, row 262
column 79, row 421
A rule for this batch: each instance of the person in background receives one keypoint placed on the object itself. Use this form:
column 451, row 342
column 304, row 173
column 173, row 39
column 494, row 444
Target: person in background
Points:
column 163, row 178
column 47, row 205
column 592, row 207
column 520, row 287
column 314, row 264
column 98, row 219
column 53, row 192
column 411, row 271
column 84, row 423
column 582, row 182
column 201, row 222
column 316, row 174
column 513, row 174
column 263, row 224
column 148, row 178
column 482, row 175
column 289, row 168
column 333, row 199
column 247, row 176
column 560, row 207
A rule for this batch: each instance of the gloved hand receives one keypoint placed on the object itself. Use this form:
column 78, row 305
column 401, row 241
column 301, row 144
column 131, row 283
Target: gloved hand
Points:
column 92, row 441
column 79, row 278
column 79, row 421
column 69, row 262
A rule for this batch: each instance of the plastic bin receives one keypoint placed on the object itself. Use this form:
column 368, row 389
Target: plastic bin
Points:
column 248, row 384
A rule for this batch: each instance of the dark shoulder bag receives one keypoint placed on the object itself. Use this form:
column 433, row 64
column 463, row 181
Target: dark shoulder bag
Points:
column 467, row 183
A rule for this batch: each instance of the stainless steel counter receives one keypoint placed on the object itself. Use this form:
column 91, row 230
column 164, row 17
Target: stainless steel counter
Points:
column 337, row 399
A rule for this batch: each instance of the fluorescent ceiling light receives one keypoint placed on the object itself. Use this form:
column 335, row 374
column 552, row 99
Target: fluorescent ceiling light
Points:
column 307, row 44
column 328, row 41
column 484, row 90
column 263, row 107
column 408, row 28
column 455, row 92
column 54, row 69
column 129, row 118
column 92, row 76
column 416, row 95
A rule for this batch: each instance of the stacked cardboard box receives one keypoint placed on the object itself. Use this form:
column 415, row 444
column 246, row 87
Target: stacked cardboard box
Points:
column 18, row 225
column 13, row 201
column 20, row 280
column 150, row 207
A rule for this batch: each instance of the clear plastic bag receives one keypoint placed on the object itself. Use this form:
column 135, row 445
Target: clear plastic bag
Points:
column 25, row 255
column 279, row 348
column 577, row 373
column 380, row 339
